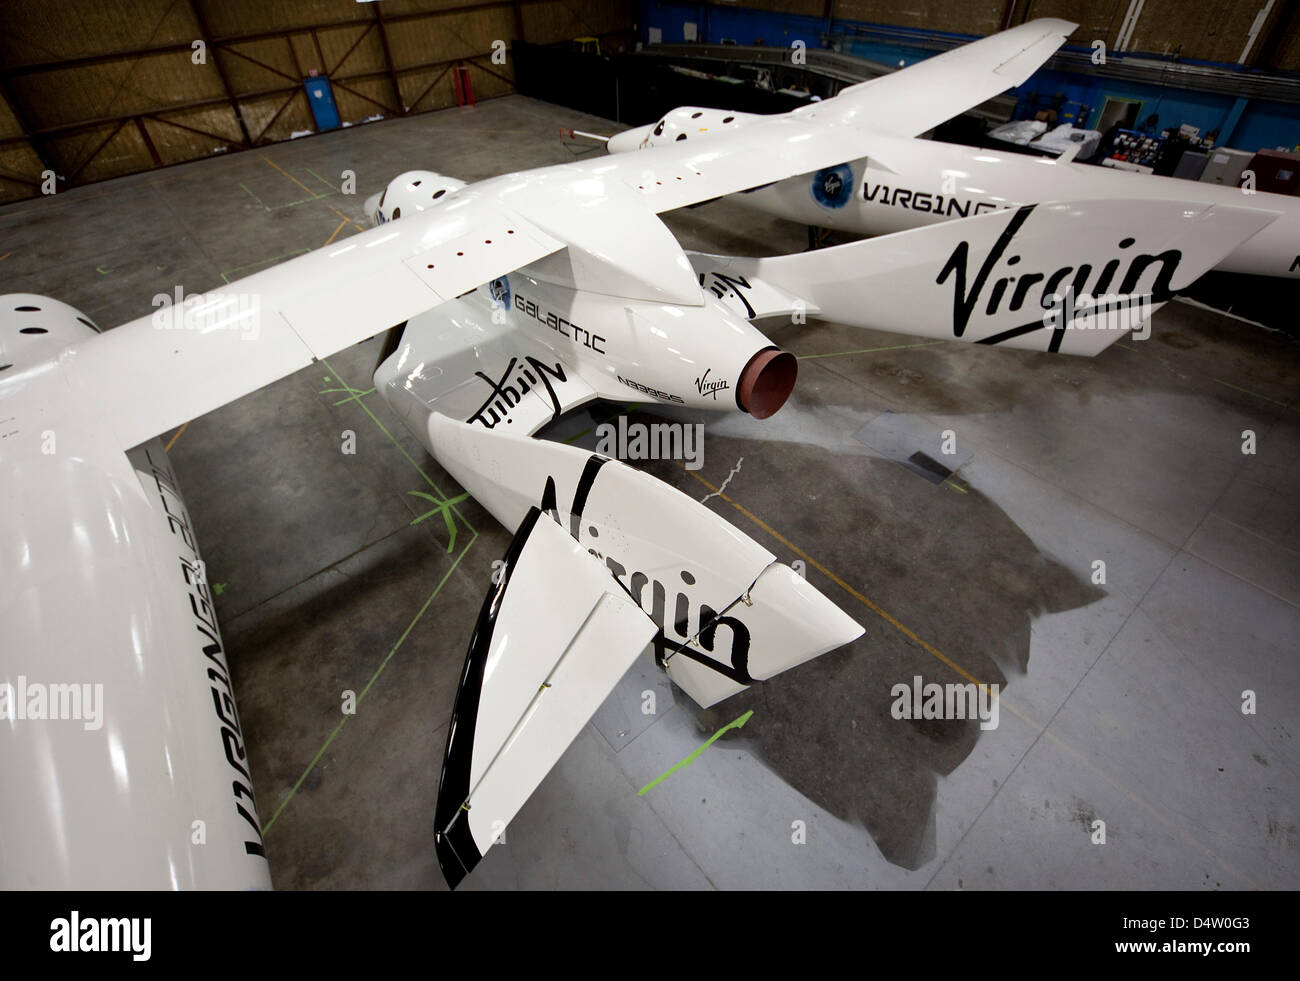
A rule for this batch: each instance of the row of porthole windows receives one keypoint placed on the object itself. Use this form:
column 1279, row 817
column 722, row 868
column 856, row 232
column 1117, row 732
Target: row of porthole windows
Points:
column 397, row 212
column 30, row 330
column 40, row 330
column 659, row 129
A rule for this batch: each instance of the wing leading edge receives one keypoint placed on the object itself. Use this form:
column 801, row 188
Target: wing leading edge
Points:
column 191, row 357
column 917, row 98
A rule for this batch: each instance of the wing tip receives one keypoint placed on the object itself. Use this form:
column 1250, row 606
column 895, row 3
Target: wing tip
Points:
column 458, row 858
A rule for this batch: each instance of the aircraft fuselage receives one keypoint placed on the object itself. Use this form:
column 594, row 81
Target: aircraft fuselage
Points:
column 910, row 183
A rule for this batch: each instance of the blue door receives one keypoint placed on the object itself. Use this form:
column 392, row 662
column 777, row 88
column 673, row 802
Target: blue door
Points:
column 321, row 98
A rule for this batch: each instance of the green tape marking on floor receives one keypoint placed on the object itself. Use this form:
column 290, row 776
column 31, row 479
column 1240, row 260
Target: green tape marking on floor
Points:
column 1246, row 391
column 333, row 187
column 252, row 195
column 866, row 350
column 293, row 204
column 400, row 448
column 451, row 506
column 734, row 724
column 369, row 684
column 225, row 275
column 441, row 506
column 354, row 394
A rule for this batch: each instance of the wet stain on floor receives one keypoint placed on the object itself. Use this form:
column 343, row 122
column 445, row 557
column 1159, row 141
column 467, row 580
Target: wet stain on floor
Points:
column 951, row 567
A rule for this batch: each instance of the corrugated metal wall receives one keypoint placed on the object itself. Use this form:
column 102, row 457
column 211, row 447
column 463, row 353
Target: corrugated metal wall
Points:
column 92, row 90
column 1207, row 30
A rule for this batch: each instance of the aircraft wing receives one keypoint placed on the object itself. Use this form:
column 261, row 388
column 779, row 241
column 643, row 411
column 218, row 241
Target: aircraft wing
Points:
column 771, row 149
column 823, row 134
column 154, row 373
column 186, row 359
column 219, row 346
column 914, row 99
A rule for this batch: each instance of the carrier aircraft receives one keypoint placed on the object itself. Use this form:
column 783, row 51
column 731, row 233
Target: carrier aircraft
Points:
column 508, row 302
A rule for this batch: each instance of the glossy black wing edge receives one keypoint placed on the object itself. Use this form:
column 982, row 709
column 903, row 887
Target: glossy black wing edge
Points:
column 457, row 851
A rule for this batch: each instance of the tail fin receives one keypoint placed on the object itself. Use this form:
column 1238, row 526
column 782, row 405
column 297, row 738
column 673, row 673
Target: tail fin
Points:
column 537, row 670
column 718, row 598
column 992, row 279
column 605, row 561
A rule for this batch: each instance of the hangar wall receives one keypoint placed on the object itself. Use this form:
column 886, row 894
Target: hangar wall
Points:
column 97, row 90
column 1207, row 30
column 1205, row 33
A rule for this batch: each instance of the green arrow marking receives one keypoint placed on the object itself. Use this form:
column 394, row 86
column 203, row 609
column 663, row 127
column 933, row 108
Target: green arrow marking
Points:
column 443, row 507
column 734, row 724
column 353, row 393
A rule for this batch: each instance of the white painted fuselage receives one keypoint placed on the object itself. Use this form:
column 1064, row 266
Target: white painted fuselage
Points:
column 910, row 183
column 122, row 756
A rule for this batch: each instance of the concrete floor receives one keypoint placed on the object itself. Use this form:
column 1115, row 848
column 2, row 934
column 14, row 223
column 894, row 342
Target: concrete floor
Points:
column 1122, row 702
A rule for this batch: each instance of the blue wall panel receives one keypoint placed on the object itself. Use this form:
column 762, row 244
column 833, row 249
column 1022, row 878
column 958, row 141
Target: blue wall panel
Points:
column 1259, row 124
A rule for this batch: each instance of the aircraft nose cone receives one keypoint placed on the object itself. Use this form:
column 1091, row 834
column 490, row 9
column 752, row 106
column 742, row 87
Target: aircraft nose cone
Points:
column 766, row 382
column 629, row 140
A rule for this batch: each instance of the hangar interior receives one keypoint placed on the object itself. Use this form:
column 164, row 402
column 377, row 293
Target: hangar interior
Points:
column 1122, row 692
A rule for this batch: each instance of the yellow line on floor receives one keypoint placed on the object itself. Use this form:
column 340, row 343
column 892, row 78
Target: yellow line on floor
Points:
column 346, row 218
column 5, row 256
column 1002, row 699
column 336, row 231
column 892, row 621
column 290, row 176
column 171, row 442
